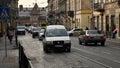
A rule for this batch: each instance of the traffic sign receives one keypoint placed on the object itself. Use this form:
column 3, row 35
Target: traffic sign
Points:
column 4, row 13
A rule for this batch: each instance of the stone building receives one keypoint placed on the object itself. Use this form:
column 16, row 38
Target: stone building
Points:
column 34, row 15
column 13, row 6
column 31, row 16
column 107, row 16
column 71, row 13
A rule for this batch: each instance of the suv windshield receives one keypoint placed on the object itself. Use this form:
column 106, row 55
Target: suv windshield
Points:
column 56, row 32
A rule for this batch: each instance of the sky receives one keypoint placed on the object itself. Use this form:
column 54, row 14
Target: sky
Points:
column 30, row 3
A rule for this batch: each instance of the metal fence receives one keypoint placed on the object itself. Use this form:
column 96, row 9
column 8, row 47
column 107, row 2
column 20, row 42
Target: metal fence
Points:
column 23, row 60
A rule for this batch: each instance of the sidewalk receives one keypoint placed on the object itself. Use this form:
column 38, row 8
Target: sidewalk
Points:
column 11, row 60
column 113, row 40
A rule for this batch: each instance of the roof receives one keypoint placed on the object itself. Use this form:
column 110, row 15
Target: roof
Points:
column 55, row 27
column 35, row 10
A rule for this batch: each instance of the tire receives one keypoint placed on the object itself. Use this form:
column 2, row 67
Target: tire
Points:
column 71, row 34
column 85, row 43
column 68, row 49
column 33, row 36
column 45, row 49
column 80, row 42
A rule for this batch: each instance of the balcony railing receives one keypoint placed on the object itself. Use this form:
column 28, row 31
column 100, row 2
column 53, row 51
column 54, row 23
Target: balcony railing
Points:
column 99, row 7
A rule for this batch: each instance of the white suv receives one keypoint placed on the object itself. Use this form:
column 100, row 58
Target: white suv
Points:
column 56, row 37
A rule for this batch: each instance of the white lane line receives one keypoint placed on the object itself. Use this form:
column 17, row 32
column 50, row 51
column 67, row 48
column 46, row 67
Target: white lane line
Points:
column 106, row 52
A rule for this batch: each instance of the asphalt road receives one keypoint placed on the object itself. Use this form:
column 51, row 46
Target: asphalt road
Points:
column 91, row 56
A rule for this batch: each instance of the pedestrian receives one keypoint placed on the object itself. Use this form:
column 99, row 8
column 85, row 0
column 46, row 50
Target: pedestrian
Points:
column 114, row 32
column 86, row 28
column 95, row 28
column 10, row 34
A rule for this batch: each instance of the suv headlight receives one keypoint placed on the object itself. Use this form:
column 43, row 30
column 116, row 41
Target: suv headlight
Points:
column 67, row 41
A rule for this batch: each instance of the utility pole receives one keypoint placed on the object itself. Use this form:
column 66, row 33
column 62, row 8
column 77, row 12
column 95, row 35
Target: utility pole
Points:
column 92, row 24
column 75, row 11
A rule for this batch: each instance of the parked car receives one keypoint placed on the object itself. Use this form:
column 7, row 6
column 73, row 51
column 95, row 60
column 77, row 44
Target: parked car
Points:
column 56, row 37
column 29, row 29
column 20, row 30
column 41, row 33
column 35, row 31
column 75, row 32
column 92, row 36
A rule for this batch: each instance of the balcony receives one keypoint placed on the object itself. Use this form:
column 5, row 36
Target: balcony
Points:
column 99, row 7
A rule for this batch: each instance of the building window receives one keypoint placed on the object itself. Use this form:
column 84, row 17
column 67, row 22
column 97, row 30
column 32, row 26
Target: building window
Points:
column 112, row 22
column 98, row 22
column 107, row 23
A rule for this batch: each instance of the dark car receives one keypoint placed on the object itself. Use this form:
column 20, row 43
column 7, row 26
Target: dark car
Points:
column 35, row 31
column 20, row 30
column 92, row 36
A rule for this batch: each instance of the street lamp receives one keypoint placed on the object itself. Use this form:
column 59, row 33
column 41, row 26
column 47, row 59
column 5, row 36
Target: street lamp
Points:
column 16, row 37
column 92, row 19
column 75, row 11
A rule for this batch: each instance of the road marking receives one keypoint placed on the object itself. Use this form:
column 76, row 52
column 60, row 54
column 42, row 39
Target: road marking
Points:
column 95, row 60
column 115, row 48
column 113, row 41
column 106, row 52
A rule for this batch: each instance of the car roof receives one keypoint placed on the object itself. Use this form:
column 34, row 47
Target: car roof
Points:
column 55, row 27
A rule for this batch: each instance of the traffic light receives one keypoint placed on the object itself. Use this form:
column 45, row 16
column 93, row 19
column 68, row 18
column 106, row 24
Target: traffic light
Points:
column 71, row 13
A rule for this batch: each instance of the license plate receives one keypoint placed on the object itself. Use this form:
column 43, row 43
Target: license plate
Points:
column 97, row 37
column 58, row 45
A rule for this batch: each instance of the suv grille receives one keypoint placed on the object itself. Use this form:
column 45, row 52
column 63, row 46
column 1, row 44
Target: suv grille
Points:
column 58, row 42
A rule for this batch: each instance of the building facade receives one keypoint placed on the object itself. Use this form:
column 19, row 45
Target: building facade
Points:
column 102, row 14
column 13, row 6
column 107, row 16
column 30, row 16
column 71, row 13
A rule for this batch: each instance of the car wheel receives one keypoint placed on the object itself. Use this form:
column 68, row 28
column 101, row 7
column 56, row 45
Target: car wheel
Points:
column 71, row 34
column 33, row 36
column 80, row 42
column 39, row 39
column 85, row 43
column 45, row 49
column 68, row 49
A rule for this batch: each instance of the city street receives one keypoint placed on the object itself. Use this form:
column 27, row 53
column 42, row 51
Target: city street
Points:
column 91, row 56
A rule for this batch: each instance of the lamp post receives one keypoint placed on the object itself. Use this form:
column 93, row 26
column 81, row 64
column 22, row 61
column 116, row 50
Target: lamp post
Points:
column 16, row 37
column 92, row 19
column 75, row 11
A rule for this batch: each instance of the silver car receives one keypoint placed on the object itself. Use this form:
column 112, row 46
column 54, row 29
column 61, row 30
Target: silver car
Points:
column 41, row 33
column 92, row 36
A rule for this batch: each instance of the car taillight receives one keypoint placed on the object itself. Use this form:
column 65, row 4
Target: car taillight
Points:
column 89, row 37
column 104, row 37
